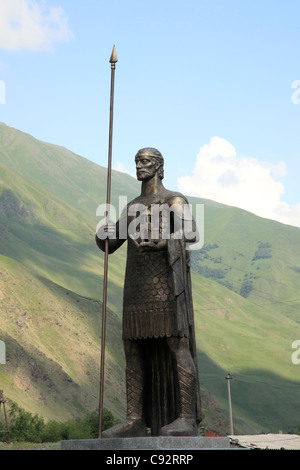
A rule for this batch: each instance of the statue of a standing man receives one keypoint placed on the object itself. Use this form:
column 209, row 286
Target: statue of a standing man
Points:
column 158, row 320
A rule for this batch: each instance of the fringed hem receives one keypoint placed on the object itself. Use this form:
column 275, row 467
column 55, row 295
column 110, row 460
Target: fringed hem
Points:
column 152, row 325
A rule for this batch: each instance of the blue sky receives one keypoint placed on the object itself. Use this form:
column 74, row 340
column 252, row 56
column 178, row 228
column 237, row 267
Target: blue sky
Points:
column 213, row 84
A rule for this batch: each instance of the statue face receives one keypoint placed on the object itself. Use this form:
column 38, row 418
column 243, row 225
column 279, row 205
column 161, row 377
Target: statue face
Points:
column 146, row 167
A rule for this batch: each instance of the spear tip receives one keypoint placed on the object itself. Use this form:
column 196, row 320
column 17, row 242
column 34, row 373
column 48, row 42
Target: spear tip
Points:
column 113, row 58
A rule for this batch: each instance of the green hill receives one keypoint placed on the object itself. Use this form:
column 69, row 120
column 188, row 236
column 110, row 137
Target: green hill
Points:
column 67, row 176
column 246, row 280
column 52, row 341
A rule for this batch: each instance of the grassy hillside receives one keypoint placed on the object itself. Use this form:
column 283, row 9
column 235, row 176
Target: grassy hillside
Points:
column 53, row 342
column 246, row 281
column 255, row 257
column 68, row 176
column 253, row 344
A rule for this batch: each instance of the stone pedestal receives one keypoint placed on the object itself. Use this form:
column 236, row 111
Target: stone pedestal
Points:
column 149, row 443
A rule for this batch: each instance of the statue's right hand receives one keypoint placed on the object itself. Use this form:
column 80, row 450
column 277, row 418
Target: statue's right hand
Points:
column 106, row 231
column 110, row 228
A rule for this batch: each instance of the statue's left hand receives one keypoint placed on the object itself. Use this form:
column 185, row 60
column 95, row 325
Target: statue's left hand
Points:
column 150, row 245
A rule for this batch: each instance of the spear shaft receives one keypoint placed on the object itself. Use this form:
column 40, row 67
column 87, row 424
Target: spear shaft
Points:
column 113, row 60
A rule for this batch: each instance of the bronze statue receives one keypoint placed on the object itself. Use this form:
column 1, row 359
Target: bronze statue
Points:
column 158, row 319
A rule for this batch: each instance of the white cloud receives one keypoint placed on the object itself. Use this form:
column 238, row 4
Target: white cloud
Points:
column 120, row 167
column 32, row 25
column 219, row 174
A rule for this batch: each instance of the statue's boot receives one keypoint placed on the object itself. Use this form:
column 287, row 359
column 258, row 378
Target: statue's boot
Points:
column 129, row 428
column 185, row 424
column 134, row 425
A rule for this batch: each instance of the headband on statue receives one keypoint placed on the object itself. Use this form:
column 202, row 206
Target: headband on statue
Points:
column 149, row 152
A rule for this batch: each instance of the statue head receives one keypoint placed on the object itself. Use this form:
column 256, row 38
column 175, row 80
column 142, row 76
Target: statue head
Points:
column 148, row 162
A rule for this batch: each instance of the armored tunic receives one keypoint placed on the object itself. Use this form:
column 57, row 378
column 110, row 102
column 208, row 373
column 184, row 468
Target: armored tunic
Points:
column 150, row 306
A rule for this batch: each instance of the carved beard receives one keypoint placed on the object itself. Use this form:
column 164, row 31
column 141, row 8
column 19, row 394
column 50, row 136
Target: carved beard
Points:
column 146, row 174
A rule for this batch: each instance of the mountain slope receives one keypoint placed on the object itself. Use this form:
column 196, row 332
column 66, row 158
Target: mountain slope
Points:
column 53, row 343
column 243, row 250
column 253, row 344
column 68, row 176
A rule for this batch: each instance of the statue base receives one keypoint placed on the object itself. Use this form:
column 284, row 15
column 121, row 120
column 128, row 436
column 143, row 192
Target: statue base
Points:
column 149, row 443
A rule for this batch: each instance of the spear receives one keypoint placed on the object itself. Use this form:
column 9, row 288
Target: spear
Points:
column 113, row 59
